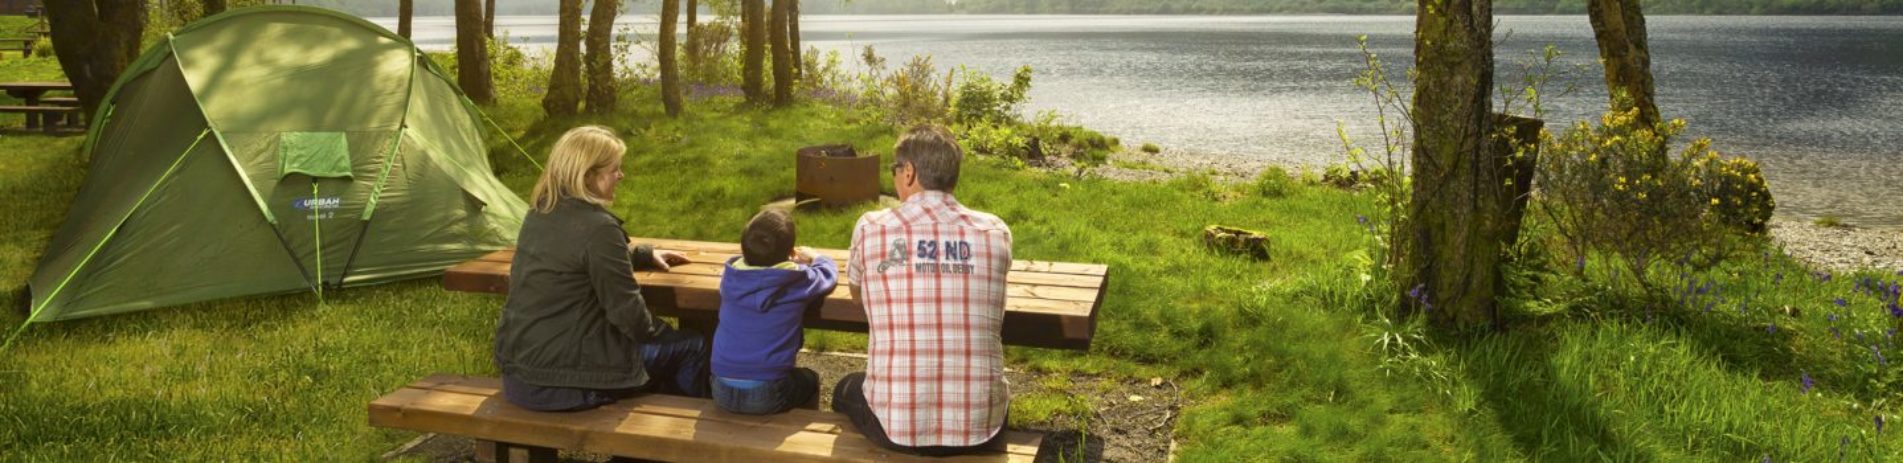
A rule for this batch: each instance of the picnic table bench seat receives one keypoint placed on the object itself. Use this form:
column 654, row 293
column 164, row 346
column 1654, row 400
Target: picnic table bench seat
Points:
column 652, row 426
column 1048, row 304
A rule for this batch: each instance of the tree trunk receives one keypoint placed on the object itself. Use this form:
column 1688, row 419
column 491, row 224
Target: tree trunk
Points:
column 1619, row 27
column 489, row 19
column 95, row 41
column 752, row 43
column 782, row 54
column 601, row 56
column 564, row 82
column 213, row 7
column 693, row 38
column 405, row 9
column 670, row 73
column 472, row 53
column 793, row 38
column 693, row 13
column 1449, row 246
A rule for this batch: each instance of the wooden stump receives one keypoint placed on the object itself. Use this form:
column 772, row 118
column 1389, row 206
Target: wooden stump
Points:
column 1237, row 241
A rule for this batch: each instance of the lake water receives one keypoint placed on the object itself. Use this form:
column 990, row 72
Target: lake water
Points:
column 1815, row 99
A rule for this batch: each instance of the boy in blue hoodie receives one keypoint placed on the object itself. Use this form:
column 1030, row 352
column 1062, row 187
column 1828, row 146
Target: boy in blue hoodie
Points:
column 763, row 294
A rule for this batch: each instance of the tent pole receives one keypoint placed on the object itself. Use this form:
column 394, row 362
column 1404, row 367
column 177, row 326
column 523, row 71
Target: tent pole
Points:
column 396, row 145
column 317, row 239
column 505, row 134
column 102, row 241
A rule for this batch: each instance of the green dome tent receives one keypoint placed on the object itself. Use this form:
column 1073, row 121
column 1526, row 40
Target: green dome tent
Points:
column 270, row 150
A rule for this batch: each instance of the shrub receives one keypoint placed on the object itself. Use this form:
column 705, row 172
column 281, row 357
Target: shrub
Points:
column 1207, row 186
column 1353, row 176
column 980, row 99
column 1274, row 182
column 994, row 140
column 910, row 95
column 1151, row 148
column 1616, row 189
column 1829, row 221
column 1740, row 196
column 713, row 57
column 43, row 48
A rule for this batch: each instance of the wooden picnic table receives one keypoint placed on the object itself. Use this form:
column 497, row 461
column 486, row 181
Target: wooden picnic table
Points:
column 31, row 94
column 25, row 45
column 1048, row 304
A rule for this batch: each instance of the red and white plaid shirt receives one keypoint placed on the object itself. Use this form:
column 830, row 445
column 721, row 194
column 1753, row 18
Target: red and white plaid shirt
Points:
column 931, row 274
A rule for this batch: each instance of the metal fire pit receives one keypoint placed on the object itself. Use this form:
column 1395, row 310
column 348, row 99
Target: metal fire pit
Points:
column 836, row 175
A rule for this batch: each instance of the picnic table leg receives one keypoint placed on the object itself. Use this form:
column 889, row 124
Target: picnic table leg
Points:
column 504, row 452
column 32, row 98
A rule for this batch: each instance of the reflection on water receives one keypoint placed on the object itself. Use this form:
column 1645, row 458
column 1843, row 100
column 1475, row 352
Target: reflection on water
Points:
column 1813, row 98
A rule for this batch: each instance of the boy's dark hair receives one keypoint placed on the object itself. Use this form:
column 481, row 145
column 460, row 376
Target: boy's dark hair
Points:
column 768, row 239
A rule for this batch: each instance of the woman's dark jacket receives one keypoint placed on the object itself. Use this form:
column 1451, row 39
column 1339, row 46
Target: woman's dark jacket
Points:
column 574, row 316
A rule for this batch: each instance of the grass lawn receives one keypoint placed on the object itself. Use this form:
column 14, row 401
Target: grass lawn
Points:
column 1284, row 360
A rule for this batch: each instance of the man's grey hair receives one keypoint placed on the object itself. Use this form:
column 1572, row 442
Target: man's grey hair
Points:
column 933, row 153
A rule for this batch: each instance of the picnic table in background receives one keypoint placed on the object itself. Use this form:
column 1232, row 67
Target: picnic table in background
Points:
column 42, row 112
column 23, row 44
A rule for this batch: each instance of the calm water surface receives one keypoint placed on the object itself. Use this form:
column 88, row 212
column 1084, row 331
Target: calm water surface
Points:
column 1815, row 99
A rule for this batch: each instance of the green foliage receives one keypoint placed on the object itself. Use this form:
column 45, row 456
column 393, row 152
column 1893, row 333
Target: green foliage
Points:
column 43, row 48
column 1830, row 221
column 1614, row 188
column 1274, row 182
column 1008, row 140
column 1151, row 148
column 714, row 56
column 982, row 111
column 514, row 73
column 1741, row 194
column 977, row 99
column 911, row 95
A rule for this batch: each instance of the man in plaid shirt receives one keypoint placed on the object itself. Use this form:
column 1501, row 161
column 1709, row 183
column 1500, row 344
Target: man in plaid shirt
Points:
column 931, row 276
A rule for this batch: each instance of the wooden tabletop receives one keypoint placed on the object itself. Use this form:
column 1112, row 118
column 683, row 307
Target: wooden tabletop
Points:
column 1048, row 304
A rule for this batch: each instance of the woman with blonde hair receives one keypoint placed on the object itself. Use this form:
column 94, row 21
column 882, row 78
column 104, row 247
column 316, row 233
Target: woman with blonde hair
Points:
column 575, row 333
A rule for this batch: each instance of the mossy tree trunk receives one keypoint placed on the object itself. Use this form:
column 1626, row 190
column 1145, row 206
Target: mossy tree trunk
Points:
column 693, row 37
column 564, row 82
column 793, row 37
column 753, row 51
column 670, row 72
column 1619, row 27
column 782, row 54
column 472, row 53
column 95, row 40
column 405, row 10
column 601, row 56
column 1449, row 245
column 489, row 19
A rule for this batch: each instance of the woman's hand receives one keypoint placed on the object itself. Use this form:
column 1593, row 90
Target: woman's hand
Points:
column 668, row 259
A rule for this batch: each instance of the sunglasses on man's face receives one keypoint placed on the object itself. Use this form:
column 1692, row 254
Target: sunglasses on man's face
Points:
column 895, row 167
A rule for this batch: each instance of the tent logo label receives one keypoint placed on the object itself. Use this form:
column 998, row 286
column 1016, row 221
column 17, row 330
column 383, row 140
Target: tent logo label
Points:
column 321, row 207
column 306, row 204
